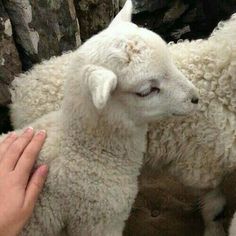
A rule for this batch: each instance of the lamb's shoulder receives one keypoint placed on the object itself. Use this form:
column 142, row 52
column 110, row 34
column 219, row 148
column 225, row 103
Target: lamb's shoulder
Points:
column 97, row 181
column 77, row 187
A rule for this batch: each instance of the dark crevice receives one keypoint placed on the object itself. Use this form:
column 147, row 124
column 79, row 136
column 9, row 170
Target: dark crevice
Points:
column 5, row 124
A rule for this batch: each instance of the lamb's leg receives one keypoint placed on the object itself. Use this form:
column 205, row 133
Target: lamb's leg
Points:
column 213, row 206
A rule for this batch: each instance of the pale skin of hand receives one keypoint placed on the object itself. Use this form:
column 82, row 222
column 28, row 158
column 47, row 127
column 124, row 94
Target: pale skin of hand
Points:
column 19, row 186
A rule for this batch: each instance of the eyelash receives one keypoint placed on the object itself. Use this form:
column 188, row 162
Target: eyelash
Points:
column 152, row 90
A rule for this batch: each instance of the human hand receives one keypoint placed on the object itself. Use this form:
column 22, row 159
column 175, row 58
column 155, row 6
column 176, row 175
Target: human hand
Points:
column 19, row 187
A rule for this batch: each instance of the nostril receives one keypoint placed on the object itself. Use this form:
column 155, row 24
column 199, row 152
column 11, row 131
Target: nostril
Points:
column 195, row 100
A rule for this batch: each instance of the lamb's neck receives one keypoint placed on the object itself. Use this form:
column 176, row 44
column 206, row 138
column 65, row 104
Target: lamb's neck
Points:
column 94, row 134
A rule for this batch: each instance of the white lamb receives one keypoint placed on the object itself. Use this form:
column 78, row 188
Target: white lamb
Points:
column 117, row 82
column 199, row 149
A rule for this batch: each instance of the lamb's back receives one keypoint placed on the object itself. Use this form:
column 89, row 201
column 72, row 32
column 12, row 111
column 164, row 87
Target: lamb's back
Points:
column 39, row 91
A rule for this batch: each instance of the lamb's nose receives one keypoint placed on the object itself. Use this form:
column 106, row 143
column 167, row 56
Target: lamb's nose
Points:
column 195, row 100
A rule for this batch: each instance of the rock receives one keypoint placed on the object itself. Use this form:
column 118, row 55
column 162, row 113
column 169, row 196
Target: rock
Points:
column 175, row 11
column 9, row 66
column 150, row 5
column 43, row 28
column 122, row 3
column 95, row 15
column 9, row 59
column 5, row 124
column 186, row 19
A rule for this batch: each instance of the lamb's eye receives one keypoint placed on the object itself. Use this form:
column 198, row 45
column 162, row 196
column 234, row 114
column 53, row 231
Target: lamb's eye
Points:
column 148, row 92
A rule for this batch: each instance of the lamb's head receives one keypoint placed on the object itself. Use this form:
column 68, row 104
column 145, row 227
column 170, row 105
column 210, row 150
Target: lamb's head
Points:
column 131, row 73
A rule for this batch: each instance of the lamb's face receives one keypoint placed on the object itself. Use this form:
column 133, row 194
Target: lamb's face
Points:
column 149, row 84
column 138, row 73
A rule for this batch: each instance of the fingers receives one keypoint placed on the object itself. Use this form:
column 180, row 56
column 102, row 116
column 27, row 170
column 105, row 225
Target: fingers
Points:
column 15, row 150
column 29, row 156
column 35, row 186
column 5, row 144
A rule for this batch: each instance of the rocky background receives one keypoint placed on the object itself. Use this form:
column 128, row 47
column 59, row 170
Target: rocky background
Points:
column 32, row 31
column 35, row 30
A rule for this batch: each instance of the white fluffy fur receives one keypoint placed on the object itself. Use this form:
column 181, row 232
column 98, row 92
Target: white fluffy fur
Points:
column 97, row 138
column 202, row 148
column 199, row 149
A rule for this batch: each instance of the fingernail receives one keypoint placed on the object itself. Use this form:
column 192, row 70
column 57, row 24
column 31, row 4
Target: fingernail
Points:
column 43, row 170
column 29, row 130
column 41, row 133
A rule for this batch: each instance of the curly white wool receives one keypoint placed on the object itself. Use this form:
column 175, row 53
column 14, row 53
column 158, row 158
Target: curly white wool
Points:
column 97, row 138
column 199, row 149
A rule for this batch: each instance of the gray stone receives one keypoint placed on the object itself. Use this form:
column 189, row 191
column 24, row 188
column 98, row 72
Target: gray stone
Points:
column 150, row 5
column 175, row 11
column 186, row 19
column 9, row 59
column 95, row 15
column 43, row 28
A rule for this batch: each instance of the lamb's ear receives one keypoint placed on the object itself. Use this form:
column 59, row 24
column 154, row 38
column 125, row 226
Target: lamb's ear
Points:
column 124, row 15
column 101, row 82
